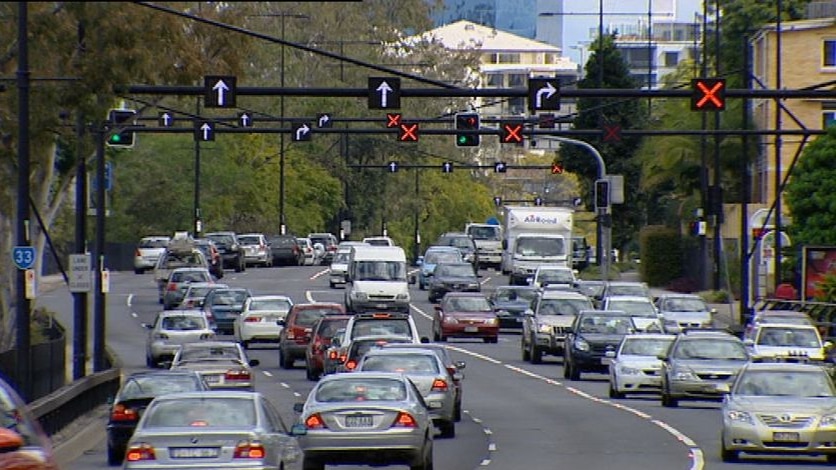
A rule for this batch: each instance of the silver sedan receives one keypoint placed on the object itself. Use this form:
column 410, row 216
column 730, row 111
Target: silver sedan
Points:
column 365, row 418
column 222, row 364
column 210, row 430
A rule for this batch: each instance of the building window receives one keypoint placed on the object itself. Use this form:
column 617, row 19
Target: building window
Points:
column 509, row 59
column 828, row 119
column 671, row 59
column 516, row 106
column 517, row 79
column 829, row 53
column 495, row 79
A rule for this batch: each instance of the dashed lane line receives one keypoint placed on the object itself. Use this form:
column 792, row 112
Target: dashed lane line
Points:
column 694, row 452
column 129, row 300
column 320, row 274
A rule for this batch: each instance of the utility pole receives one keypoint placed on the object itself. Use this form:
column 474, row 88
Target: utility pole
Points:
column 99, row 328
column 704, row 209
column 778, row 142
column 24, row 371
column 717, row 210
column 198, row 225
column 80, row 305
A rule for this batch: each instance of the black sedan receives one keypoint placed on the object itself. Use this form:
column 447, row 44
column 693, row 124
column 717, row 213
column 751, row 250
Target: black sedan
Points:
column 132, row 399
column 453, row 277
column 510, row 303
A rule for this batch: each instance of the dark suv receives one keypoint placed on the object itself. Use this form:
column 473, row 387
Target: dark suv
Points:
column 232, row 253
column 593, row 341
column 464, row 243
column 298, row 328
column 323, row 331
column 285, row 250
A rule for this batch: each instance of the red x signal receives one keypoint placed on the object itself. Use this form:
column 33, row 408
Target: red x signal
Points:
column 708, row 94
column 511, row 133
column 612, row 133
column 408, row 132
column 557, row 169
column 393, row 120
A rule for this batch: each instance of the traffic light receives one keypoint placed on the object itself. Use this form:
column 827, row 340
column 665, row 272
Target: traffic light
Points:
column 497, row 201
column 602, row 194
column 118, row 118
column 538, row 201
column 708, row 94
column 467, row 121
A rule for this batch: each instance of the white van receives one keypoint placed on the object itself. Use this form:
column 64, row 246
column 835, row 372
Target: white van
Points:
column 377, row 280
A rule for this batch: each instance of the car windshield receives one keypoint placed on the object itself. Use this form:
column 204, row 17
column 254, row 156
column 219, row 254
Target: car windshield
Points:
column 557, row 276
column 230, row 297
column 221, row 239
column 788, row 337
column 645, row 346
column 563, row 306
column 198, row 291
column 468, row 304
column 784, row 383
column 709, row 349
column 341, row 258
column 530, row 246
column 458, row 242
column 454, row 270
column 381, row 327
column 437, row 257
column 483, row 232
column 190, row 276
column 626, row 290
column 635, row 308
column 513, row 295
column 154, row 385
column 685, row 305
column 190, row 258
column 153, row 243
column 606, row 324
column 282, row 241
column 406, row 363
column 249, row 240
column 210, row 352
column 270, row 304
column 351, row 389
column 201, row 412
column 380, row 271
column 183, row 323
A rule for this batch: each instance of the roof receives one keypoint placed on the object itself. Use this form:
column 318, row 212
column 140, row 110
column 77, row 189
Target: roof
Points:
column 628, row 298
column 781, row 366
column 562, row 294
column 650, row 336
column 464, row 34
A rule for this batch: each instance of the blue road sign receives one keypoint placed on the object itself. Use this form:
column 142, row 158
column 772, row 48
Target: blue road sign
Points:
column 23, row 257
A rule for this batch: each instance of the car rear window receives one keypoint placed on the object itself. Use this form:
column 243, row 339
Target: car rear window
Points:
column 211, row 352
column 381, row 327
column 283, row 241
column 360, row 348
column 327, row 328
column 183, row 323
column 153, row 243
column 152, row 386
column 407, row 363
column 308, row 317
column 191, row 276
column 364, row 389
column 271, row 304
column 249, row 240
column 202, row 412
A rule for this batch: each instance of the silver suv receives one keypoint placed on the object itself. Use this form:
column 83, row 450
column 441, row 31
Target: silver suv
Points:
column 701, row 365
column 545, row 325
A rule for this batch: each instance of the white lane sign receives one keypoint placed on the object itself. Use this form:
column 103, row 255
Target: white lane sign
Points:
column 219, row 91
column 80, row 277
column 384, row 93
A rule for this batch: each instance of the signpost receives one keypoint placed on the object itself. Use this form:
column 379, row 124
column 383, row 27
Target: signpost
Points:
column 24, row 257
column 80, row 278
column 204, row 131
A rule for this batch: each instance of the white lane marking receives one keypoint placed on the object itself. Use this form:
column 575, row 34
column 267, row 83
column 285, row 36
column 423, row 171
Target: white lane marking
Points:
column 421, row 312
column 694, row 452
column 129, row 300
column 489, row 435
column 309, row 297
column 485, row 280
column 491, row 447
column 268, row 374
column 320, row 274
column 284, row 385
column 485, row 463
column 297, row 394
column 133, row 314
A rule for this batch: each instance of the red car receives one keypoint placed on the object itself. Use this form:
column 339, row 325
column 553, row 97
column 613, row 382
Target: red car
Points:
column 23, row 444
column 298, row 327
column 321, row 336
column 465, row 315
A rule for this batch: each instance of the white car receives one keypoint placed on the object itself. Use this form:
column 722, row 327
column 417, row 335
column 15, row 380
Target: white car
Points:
column 339, row 267
column 553, row 275
column 258, row 320
column 379, row 241
column 787, row 341
column 308, row 249
column 641, row 308
column 636, row 367
column 148, row 252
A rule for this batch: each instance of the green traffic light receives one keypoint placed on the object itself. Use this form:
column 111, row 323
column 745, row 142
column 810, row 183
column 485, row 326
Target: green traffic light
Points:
column 115, row 138
column 462, row 139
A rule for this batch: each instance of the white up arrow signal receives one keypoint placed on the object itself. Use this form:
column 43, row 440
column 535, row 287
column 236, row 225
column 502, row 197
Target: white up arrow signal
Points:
column 221, row 88
column 384, row 90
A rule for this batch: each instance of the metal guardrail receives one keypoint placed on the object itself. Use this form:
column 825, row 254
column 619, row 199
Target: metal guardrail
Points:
column 62, row 407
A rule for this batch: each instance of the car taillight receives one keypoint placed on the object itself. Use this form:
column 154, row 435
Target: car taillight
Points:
column 138, row 253
column 140, row 452
column 249, row 450
column 290, row 334
column 350, row 365
column 122, row 413
column 332, row 355
column 171, row 287
column 452, row 371
column 252, row 319
column 237, row 374
column 404, row 420
column 314, row 421
column 439, row 385
column 160, row 336
column 188, row 304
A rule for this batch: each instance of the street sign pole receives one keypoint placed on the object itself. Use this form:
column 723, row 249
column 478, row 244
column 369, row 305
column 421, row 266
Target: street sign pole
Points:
column 99, row 330
column 80, row 299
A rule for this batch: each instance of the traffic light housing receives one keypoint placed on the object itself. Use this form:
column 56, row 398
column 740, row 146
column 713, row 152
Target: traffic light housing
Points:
column 119, row 118
column 467, row 121
column 602, row 194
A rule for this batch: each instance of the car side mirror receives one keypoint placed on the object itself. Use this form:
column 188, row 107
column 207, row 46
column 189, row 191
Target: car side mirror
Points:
column 298, row 407
column 323, row 347
column 749, row 342
column 437, row 308
column 458, row 376
column 504, row 244
column 828, row 345
column 147, row 326
column 610, row 354
column 425, row 340
column 528, row 312
column 460, row 364
column 419, row 261
column 335, row 343
column 713, row 311
column 281, row 322
column 254, row 362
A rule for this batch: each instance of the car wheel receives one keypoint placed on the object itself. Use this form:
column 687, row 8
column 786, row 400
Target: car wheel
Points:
column 668, row 401
column 285, row 360
column 115, row 455
column 526, row 355
column 730, row 456
column 309, row 374
column 567, row 366
column 535, row 353
column 448, row 429
column 139, row 271
column 457, row 412
column 615, row 393
column 831, row 459
column 436, row 336
column 150, row 362
column 311, row 464
column 426, row 462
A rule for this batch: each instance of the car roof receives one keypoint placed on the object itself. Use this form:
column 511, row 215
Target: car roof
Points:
column 628, row 298
column 464, row 294
column 442, row 248
column 209, row 344
column 187, row 269
column 650, row 336
column 458, row 263
column 252, row 234
column 547, row 267
column 562, row 294
column 187, row 312
column 270, row 297
column 162, row 372
column 363, row 375
column 204, row 284
column 155, row 238
column 510, row 287
column 776, row 313
column 627, row 283
column 706, row 333
column 401, row 350
column 603, row 312
column 380, row 338
column 680, row 296
column 785, row 366
column 209, row 394
column 788, row 325
column 316, row 305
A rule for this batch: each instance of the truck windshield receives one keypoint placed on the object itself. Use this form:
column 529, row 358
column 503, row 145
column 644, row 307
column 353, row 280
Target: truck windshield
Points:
column 484, row 232
column 380, row 271
column 530, row 246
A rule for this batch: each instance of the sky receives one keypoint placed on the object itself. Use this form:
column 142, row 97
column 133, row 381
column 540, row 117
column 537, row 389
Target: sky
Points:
column 576, row 26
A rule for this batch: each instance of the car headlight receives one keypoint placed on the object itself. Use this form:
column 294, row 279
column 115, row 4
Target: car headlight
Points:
column 403, row 296
column 450, row 320
column 503, row 313
column 684, row 374
column 544, row 328
column 359, row 295
column 627, row 370
column 740, row 416
column 581, row 344
column 491, row 321
column 468, row 257
column 473, row 285
column 827, row 421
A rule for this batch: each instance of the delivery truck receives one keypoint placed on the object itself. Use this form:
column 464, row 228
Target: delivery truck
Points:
column 535, row 236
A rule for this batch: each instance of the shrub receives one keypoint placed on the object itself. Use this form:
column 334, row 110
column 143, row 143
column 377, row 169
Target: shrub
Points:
column 715, row 296
column 661, row 255
column 685, row 285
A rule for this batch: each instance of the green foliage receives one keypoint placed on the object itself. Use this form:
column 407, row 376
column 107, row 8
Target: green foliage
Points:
column 809, row 193
column 594, row 272
column 714, row 296
column 661, row 254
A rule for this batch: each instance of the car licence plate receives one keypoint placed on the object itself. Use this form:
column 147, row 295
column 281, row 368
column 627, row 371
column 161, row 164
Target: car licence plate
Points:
column 359, row 421
column 212, row 379
column 194, row 452
column 785, row 437
column 606, row 361
column 471, row 329
column 381, row 306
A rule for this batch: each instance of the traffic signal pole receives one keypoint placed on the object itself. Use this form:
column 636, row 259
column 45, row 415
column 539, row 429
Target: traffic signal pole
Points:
column 99, row 329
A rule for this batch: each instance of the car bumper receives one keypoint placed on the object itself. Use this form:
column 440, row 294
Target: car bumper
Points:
column 590, row 362
column 700, row 390
column 632, row 383
column 118, row 434
column 198, row 466
column 457, row 330
column 294, row 350
column 551, row 343
column 161, row 350
column 145, row 263
column 511, row 321
column 217, row 381
column 763, row 439
column 441, row 406
column 490, row 258
column 337, row 278
column 380, row 305
column 259, row 332
column 325, row 445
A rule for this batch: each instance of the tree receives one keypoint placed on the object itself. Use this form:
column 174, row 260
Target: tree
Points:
column 809, row 193
column 594, row 113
